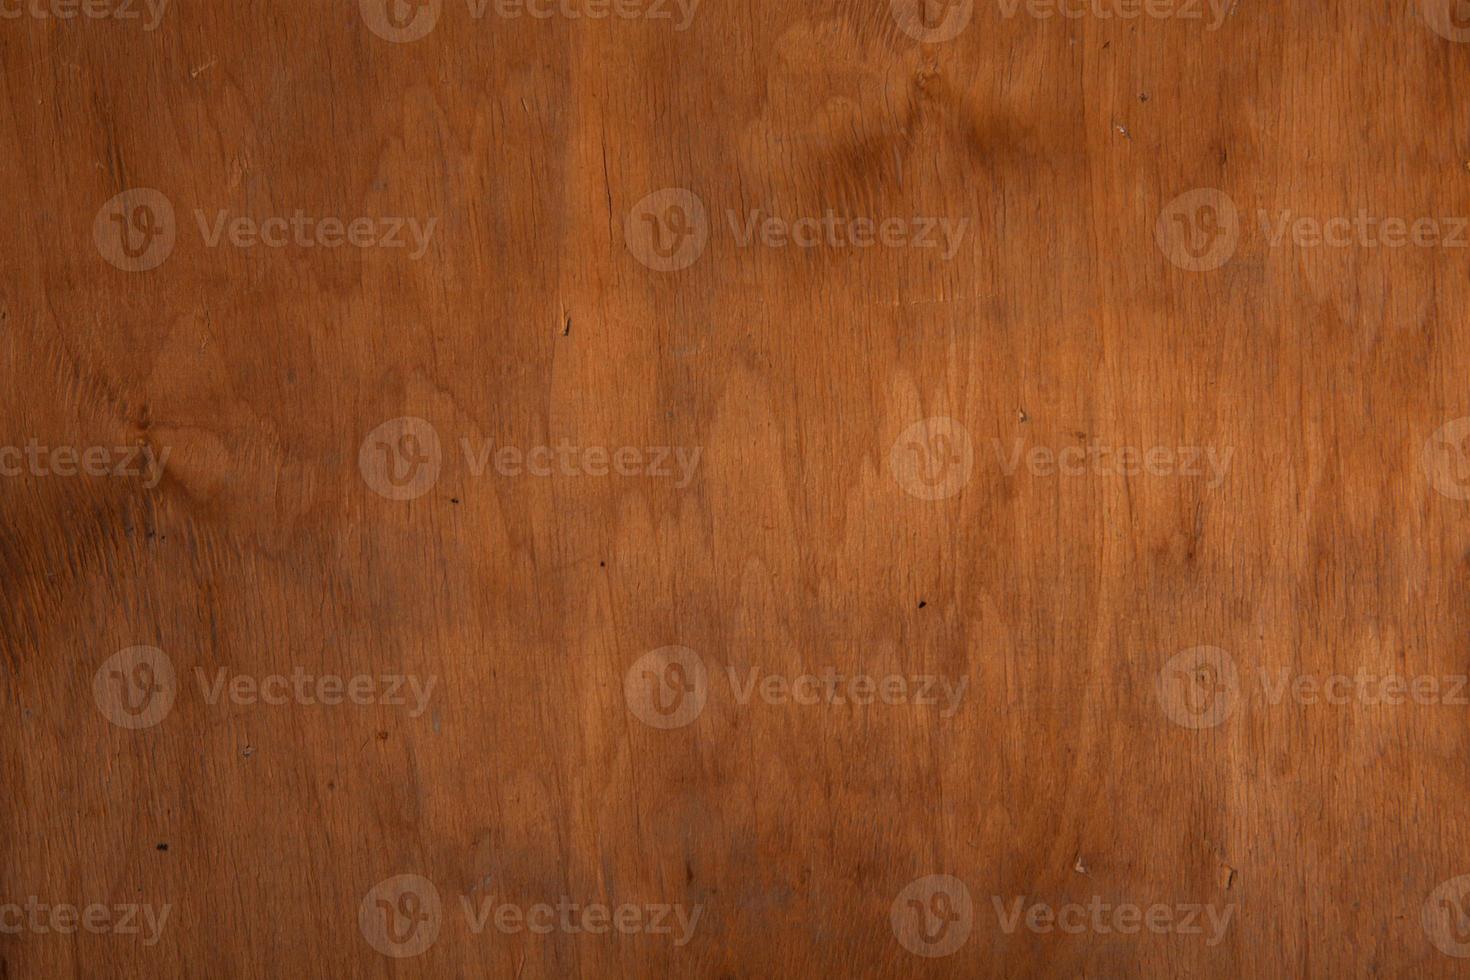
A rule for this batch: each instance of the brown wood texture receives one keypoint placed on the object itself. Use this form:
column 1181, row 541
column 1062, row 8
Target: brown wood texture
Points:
column 547, row 645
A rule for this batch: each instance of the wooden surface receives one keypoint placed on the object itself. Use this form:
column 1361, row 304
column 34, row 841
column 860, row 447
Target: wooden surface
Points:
column 858, row 492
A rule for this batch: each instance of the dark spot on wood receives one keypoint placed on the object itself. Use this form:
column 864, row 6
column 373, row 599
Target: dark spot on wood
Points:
column 922, row 603
column 163, row 847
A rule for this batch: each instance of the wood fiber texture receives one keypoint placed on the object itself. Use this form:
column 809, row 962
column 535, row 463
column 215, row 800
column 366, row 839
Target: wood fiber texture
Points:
column 1041, row 549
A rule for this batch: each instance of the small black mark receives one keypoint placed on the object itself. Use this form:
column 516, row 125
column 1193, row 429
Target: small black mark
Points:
column 566, row 328
column 922, row 603
column 163, row 847
column 602, row 564
column 454, row 500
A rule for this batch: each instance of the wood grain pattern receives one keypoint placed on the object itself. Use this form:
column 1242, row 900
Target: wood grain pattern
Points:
column 855, row 462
